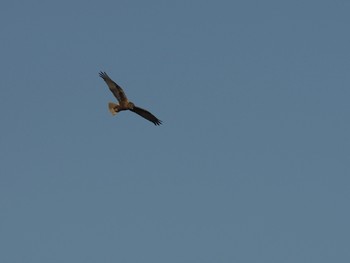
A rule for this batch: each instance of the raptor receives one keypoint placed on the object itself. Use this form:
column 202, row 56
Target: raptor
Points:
column 124, row 104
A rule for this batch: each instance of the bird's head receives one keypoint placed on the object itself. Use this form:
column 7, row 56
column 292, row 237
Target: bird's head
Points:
column 131, row 105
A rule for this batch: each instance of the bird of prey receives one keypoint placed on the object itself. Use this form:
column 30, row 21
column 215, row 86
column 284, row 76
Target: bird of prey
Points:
column 124, row 103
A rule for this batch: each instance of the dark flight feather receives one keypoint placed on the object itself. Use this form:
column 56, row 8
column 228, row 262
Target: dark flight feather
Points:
column 117, row 91
column 147, row 115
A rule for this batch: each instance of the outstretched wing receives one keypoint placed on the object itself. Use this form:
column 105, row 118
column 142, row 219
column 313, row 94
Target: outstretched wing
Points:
column 114, row 87
column 147, row 115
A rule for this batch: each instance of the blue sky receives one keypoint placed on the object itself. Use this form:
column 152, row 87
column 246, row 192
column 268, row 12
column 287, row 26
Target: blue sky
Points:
column 250, row 165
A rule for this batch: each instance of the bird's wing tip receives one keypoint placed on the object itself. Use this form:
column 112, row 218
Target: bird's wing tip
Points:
column 102, row 74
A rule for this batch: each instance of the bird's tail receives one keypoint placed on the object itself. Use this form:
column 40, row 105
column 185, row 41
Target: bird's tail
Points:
column 113, row 108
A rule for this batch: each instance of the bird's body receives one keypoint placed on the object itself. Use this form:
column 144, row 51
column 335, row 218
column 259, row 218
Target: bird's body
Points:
column 124, row 103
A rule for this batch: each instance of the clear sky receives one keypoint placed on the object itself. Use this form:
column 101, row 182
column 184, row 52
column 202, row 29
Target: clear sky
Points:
column 251, row 164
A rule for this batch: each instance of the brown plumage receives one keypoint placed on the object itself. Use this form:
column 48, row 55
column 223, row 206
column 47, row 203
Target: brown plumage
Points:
column 124, row 103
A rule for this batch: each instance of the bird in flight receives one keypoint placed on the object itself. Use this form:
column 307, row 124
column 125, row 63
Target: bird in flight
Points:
column 124, row 103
